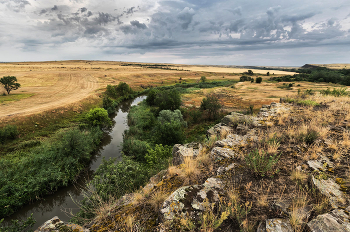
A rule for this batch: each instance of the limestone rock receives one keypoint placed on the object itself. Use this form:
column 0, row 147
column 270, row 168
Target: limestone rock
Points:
column 220, row 152
column 56, row 225
column 321, row 164
column 219, row 130
column 231, row 141
column 337, row 220
column 278, row 225
column 332, row 190
column 222, row 170
column 180, row 152
column 189, row 200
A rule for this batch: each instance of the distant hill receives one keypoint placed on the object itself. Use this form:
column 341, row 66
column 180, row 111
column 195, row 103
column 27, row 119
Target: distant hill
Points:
column 330, row 66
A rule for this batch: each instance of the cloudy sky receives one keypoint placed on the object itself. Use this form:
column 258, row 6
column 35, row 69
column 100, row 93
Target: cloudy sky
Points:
column 227, row 32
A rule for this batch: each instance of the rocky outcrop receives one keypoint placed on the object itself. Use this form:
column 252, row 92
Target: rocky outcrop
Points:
column 190, row 200
column 180, row 152
column 337, row 220
column 56, row 225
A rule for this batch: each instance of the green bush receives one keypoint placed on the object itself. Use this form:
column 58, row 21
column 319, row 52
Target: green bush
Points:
column 120, row 90
column 135, row 148
column 262, row 164
column 159, row 153
column 19, row 225
column 335, row 92
column 169, row 128
column 212, row 105
column 98, row 117
column 141, row 117
column 245, row 78
column 45, row 168
column 309, row 137
column 258, row 80
column 8, row 132
column 203, row 79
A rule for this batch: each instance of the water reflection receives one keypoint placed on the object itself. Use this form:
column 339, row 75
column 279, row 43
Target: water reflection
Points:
column 55, row 204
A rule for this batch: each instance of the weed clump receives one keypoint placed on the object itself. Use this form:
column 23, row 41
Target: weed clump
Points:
column 262, row 164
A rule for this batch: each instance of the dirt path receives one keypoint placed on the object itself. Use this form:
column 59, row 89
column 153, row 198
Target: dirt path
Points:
column 69, row 88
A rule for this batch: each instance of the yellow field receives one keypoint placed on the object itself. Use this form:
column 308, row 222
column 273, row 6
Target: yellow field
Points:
column 62, row 83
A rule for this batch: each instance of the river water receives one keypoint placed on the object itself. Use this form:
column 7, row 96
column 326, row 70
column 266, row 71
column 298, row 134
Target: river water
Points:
column 61, row 201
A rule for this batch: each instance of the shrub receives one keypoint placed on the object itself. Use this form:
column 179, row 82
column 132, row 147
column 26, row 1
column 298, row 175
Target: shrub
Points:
column 19, row 225
column 120, row 90
column 160, row 152
column 169, row 129
column 98, row 117
column 203, row 79
column 309, row 137
column 335, row 92
column 245, row 78
column 212, row 105
column 141, row 117
column 258, row 80
column 8, row 132
column 135, row 148
column 165, row 100
column 151, row 97
column 262, row 164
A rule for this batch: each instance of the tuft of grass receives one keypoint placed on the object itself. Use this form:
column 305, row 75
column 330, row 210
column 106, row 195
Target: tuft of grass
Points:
column 261, row 163
column 298, row 176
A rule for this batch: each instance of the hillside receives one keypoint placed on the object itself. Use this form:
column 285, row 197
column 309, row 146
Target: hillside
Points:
column 287, row 167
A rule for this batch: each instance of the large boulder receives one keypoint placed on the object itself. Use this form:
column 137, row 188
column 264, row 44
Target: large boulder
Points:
column 337, row 220
column 180, row 152
column 56, row 225
column 189, row 200
column 329, row 188
column 219, row 130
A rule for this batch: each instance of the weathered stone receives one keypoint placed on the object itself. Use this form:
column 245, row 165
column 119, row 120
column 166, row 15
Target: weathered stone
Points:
column 321, row 164
column 55, row 224
column 231, row 141
column 278, row 225
column 242, row 127
column 332, row 190
column 337, row 220
column 180, row 152
column 189, row 200
column 222, row 170
column 282, row 207
column 220, row 152
column 219, row 130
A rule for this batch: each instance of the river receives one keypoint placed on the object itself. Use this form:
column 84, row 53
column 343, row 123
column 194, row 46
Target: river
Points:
column 61, row 201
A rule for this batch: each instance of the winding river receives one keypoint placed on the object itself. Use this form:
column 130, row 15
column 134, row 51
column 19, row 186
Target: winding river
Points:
column 59, row 203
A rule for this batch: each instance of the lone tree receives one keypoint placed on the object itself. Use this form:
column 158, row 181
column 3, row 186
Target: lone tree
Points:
column 10, row 83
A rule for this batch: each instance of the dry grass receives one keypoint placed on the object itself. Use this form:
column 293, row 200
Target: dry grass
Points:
column 157, row 199
column 272, row 147
column 298, row 176
column 190, row 170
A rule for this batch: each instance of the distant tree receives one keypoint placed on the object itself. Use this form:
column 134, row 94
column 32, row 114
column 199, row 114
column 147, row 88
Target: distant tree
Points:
column 250, row 72
column 268, row 74
column 258, row 80
column 203, row 79
column 212, row 105
column 10, row 83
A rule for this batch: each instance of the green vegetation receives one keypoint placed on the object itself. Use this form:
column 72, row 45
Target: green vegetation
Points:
column 26, row 176
column 319, row 74
column 14, row 97
column 18, row 226
column 245, row 78
column 262, row 164
column 212, row 105
column 258, row 80
column 203, row 79
column 10, row 83
column 98, row 117
column 9, row 132
column 335, row 92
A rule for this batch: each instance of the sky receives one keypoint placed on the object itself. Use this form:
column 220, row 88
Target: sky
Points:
column 217, row 32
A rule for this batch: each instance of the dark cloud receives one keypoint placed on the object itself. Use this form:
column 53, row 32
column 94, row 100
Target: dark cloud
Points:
column 83, row 9
column 139, row 25
column 54, row 8
column 104, row 18
column 186, row 16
